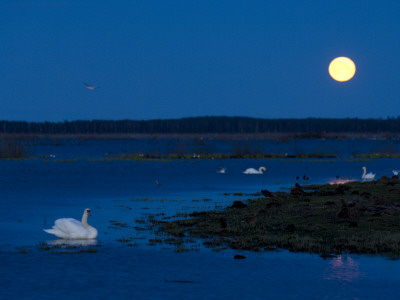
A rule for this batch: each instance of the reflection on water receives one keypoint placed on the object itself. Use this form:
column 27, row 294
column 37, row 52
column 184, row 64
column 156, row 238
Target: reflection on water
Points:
column 343, row 268
column 73, row 243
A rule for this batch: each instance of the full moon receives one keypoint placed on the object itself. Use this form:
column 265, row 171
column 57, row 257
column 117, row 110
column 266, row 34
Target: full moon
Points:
column 342, row 69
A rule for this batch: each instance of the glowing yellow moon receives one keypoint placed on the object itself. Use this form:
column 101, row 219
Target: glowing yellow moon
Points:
column 342, row 68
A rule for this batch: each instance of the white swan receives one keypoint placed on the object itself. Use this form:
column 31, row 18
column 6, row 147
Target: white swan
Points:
column 67, row 228
column 222, row 170
column 369, row 176
column 395, row 172
column 254, row 171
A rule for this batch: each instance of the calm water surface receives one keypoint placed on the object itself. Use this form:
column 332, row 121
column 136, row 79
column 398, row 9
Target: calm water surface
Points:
column 35, row 192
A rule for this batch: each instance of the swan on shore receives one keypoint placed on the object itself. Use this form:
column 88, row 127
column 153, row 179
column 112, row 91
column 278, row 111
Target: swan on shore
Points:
column 367, row 177
column 68, row 228
column 254, row 171
column 395, row 172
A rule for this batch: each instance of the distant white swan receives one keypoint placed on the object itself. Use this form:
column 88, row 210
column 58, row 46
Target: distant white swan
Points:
column 67, row 228
column 254, row 171
column 395, row 172
column 222, row 170
column 369, row 176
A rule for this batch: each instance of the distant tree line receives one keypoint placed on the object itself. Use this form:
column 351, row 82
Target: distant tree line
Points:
column 205, row 125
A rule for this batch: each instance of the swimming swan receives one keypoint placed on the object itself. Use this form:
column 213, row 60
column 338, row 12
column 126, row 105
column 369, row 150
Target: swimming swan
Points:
column 67, row 228
column 369, row 176
column 222, row 170
column 254, row 171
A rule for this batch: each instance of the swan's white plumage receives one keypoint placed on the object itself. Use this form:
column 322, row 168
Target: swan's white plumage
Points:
column 68, row 228
column 222, row 170
column 254, row 171
column 367, row 176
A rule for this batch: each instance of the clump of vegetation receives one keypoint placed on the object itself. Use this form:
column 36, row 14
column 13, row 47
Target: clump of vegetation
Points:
column 378, row 155
column 13, row 149
column 43, row 246
column 211, row 155
column 118, row 223
column 181, row 249
column 64, row 248
column 128, row 241
column 326, row 219
column 155, row 241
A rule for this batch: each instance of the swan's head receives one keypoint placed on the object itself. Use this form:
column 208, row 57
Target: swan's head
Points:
column 87, row 211
column 263, row 169
column 364, row 168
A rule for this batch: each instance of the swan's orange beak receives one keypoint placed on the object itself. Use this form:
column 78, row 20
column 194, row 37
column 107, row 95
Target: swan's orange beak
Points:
column 88, row 212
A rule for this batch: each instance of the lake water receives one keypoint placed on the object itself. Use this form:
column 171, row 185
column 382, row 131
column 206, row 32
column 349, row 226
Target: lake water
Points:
column 35, row 192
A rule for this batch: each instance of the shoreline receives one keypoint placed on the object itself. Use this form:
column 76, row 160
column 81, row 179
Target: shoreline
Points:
column 356, row 217
column 280, row 137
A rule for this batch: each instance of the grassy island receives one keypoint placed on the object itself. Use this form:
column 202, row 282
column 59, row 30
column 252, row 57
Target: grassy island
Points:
column 354, row 217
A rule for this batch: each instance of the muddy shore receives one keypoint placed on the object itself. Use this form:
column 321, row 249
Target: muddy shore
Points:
column 354, row 217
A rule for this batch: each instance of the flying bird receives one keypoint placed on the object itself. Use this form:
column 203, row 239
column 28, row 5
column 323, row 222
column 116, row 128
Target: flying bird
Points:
column 90, row 87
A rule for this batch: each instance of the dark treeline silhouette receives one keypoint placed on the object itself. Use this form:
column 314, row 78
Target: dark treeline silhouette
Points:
column 205, row 125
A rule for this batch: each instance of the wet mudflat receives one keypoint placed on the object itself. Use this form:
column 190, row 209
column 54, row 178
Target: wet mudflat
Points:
column 354, row 217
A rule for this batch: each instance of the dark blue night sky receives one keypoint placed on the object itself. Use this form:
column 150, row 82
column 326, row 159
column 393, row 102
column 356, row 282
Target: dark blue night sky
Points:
column 173, row 59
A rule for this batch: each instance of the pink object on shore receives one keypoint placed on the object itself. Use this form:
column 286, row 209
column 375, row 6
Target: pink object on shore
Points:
column 341, row 181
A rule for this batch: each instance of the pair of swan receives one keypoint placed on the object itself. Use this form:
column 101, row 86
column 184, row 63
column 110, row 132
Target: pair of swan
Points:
column 254, row 171
column 367, row 176
column 68, row 228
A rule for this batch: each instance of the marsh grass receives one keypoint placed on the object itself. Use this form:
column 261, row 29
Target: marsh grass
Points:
column 378, row 155
column 13, row 149
column 355, row 217
column 211, row 155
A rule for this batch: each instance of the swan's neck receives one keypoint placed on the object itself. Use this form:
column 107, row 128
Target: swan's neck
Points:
column 84, row 220
column 365, row 172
